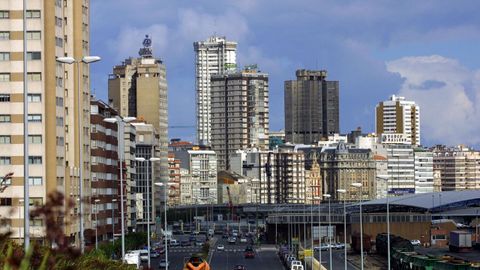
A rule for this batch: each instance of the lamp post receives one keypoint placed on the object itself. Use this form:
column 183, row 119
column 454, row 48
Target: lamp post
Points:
column 359, row 186
column 328, row 196
column 96, row 223
column 113, row 219
column 165, row 230
column 388, row 222
column 85, row 60
column 344, row 194
column 26, row 190
column 152, row 159
column 319, row 229
column 120, row 133
column 20, row 202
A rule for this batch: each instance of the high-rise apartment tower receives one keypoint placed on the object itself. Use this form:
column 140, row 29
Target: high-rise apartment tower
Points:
column 213, row 56
column 311, row 107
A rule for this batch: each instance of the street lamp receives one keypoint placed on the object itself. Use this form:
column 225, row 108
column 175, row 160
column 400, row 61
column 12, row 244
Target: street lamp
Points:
column 120, row 134
column 152, row 159
column 328, row 196
column 359, row 186
column 85, row 60
column 113, row 219
column 165, row 230
column 96, row 223
column 319, row 229
column 388, row 221
column 344, row 193
column 20, row 202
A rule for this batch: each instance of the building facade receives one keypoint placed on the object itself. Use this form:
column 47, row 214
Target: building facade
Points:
column 138, row 87
column 54, row 29
column 311, row 107
column 216, row 55
column 398, row 121
column 186, row 187
column 174, row 175
column 423, row 170
column 401, row 169
column 240, row 113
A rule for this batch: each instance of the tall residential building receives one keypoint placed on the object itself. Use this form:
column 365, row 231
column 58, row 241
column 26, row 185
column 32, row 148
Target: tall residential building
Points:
column 423, row 170
column 457, row 167
column 105, row 172
column 138, row 87
column 311, row 107
column 398, row 121
column 213, row 56
column 240, row 113
column 186, row 187
column 401, row 169
column 54, row 29
column 174, row 180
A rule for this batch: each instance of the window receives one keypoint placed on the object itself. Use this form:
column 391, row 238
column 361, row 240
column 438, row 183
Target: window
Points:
column 5, row 118
column 59, row 121
column 5, row 201
column 58, row 21
column 4, row 97
column 34, row 160
column 4, row 56
column 32, row 35
column 59, row 42
column 34, row 55
column 35, row 181
column 35, row 139
column 4, row 77
column 36, row 222
column 60, row 141
column 59, row 101
column 4, row 35
column 33, row 14
column 5, row 139
column 34, row 118
column 34, row 76
column 4, row 14
column 34, row 97
column 5, row 160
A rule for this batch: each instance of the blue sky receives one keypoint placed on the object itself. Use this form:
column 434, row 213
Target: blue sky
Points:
column 424, row 50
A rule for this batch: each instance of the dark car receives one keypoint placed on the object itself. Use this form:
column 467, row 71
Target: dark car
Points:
column 240, row 267
column 185, row 243
column 192, row 238
column 249, row 253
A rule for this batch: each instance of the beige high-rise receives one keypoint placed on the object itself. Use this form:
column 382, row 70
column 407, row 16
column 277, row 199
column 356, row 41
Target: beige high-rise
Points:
column 55, row 28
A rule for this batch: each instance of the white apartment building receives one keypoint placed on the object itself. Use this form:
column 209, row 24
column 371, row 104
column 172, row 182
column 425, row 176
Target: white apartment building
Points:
column 203, row 173
column 186, row 187
column 240, row 113
column 398, row 121
column 54, row 29
column 423, row 170
column 213, row 56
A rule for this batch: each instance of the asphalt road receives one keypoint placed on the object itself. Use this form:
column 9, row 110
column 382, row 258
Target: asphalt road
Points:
column 266, row 257
column 338, row 260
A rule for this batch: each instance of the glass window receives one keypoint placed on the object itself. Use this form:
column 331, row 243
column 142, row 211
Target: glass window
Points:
column 5, row 160
column 35, row 160
column 59, row 101
column 35, row 181
column 5, row 139
column 33, row 35
column 59, row 121
column 36, row 222
column 4, row 77
column 4, row 14
column 34, row 76
column 34, row 118
column 4, row 35
column 5, row 201
column 4, row 97
column 33, row 14
column 35, row 139
column 5, row 118
column 4, row 56
column 34, row 97
column 34, row 55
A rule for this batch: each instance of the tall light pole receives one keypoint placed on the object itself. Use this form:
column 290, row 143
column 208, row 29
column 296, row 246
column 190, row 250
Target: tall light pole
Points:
column 388, row 221
column 120, row 133
column 328, row 196
column 96, row 223
column 20, row 202
column 85, row 60
column 344, row 194
column 319, row 229
column 359, row 186
column 26, row 191
column 113, row 219
column 149, row 196
column 165, row 230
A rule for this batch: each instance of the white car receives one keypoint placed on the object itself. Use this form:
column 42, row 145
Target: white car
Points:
column 415, row 242
column 220, row 247
column 243, row 240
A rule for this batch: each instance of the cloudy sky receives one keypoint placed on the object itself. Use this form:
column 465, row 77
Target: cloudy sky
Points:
column 427, row 51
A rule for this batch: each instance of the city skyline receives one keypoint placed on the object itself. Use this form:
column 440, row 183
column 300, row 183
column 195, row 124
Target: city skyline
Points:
column 374, row 50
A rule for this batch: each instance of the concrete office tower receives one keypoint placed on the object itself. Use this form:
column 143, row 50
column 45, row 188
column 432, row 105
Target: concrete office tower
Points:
column 138, row 87
column 213, row 56
column 54, row 30
column 240, row 113
column 311, row 107
column 398, row 121
column 458, row 168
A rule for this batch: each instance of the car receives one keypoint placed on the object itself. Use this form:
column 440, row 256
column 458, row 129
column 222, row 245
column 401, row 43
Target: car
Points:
column 174, row 243
column 192, row 238
column 243, row 240
column 232, row 240
column 225, row 236
column 185, row 243
column 163, row 264
column 339, row 246
column 220, row 247
column 249, row 253
column 144, row 255
column 198, row 243
column 415, row 242
column 154, row 254
column 240, row 267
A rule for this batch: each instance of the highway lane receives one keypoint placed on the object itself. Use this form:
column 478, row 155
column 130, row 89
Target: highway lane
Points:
column 266, row 257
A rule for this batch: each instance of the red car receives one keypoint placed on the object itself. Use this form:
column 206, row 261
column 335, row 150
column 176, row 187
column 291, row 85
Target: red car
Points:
column 249, row 253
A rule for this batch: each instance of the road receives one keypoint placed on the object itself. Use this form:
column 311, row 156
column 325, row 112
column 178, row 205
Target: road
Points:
column 338, row 260
column 266, row 257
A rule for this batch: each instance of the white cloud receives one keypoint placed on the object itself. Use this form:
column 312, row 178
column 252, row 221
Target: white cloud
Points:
column 448, row 95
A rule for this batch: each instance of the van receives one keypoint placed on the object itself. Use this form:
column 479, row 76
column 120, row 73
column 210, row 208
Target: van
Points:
column 133, row 258
column 174, row 242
